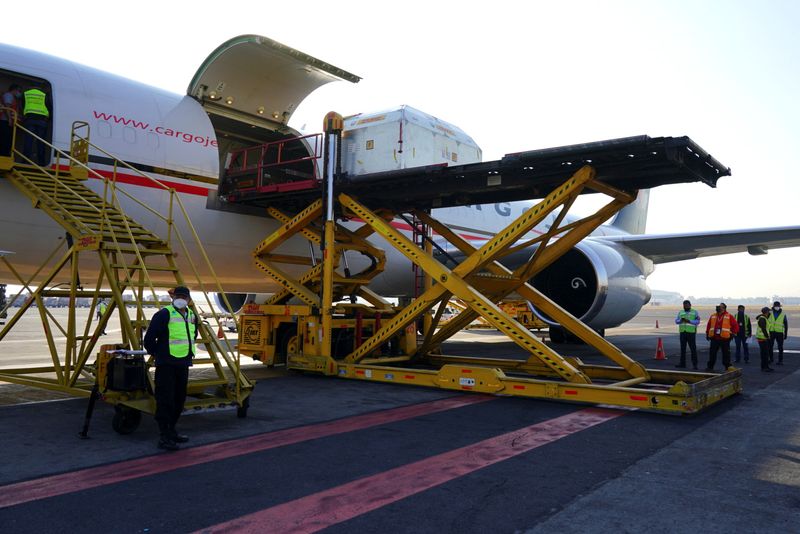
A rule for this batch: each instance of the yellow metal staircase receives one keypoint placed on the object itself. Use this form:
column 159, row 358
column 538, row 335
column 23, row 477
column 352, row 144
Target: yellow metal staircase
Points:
column 132, row 266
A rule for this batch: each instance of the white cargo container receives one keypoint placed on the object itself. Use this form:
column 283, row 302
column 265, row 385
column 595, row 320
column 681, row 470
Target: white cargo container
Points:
column 402, row 138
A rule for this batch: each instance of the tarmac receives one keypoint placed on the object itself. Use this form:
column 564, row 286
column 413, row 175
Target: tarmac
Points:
column 319, row 453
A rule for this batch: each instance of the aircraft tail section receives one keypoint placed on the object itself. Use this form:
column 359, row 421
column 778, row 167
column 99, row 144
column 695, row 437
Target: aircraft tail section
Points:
column 633, row 217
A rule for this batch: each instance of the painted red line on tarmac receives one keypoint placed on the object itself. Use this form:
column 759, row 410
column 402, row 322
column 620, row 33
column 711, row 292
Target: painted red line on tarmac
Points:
column 326, row 508
column 93, row 477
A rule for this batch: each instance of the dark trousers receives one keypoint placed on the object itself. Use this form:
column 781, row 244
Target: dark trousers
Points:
column 741, row 341
column 716, row 344
column 171, row 381
column 5, row 138
column 689, row 338
column 766, row 353
column 38, row 127
column 776, row 337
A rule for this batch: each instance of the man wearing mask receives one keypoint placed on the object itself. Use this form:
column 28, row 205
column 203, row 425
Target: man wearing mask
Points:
column 721, row 327
column 762, row 335
column 778, row 327
column 745, row 331
column 687, row 321
column 170, row 339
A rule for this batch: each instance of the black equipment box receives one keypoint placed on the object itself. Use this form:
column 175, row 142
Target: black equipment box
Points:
column 126, row 372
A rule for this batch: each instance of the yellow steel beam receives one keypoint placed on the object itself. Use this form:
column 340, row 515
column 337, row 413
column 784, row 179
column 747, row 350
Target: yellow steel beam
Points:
column 453, row 281
column 297, row 224
column 289, row 282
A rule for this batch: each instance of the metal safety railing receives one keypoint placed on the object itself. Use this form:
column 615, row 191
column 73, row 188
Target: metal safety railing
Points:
column 258, row 160
column 103, row 219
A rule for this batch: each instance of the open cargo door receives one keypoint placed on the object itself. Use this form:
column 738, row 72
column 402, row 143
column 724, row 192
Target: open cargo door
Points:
column 255, row 79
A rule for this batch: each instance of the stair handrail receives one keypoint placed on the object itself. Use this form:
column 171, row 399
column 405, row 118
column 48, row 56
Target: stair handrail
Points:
column 174, row 198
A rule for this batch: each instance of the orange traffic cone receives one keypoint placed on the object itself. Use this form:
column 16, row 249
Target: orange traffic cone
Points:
column 660, row 355
column 220, row 333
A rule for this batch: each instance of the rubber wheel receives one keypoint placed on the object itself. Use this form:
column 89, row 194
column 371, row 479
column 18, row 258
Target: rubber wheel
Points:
column 241, row 411
column 125, row 420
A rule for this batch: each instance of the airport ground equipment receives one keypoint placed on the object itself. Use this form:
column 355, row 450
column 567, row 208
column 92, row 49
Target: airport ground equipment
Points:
column 328, row 321
column 135, row 265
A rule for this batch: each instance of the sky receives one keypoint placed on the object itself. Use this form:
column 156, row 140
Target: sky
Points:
column 519, row 76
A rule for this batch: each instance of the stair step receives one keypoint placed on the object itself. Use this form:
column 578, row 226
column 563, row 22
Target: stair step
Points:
column 139, row 267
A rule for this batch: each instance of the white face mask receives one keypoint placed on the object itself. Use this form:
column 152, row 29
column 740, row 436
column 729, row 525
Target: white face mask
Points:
column 180, row 303
column 777, row 308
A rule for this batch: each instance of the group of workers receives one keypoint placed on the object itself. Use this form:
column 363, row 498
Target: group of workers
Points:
column 33, row 107
column 772, row 328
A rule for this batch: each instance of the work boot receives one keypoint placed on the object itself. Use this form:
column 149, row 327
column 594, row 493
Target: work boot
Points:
column 177, row 438
column 167, row 443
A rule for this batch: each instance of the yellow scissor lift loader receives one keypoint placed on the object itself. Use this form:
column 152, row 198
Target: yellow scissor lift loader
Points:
column 379, row 342
column 101, row 238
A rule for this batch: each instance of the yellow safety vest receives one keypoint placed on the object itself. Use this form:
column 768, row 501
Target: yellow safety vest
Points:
column 775, row 324
column 691, row 315
column 760, row 334
column 181, row 332
column 35, row 104
column 101, row 308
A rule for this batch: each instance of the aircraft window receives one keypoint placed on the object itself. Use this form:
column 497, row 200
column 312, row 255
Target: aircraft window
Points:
column 129, row 134
column 103, row 129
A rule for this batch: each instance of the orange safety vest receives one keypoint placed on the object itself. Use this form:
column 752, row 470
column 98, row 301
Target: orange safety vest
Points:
column 725, row 327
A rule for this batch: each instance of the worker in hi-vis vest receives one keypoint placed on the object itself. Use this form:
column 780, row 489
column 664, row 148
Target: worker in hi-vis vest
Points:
column 170, row 339
column 778, row 326
column 36, row 114
column 745, row 331
column 762, row 336
column 101, row 311
column 721, row 328
column 687, row 321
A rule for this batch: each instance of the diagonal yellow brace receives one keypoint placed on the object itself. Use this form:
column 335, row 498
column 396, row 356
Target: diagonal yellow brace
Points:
column 453, row 282
column 290, row 283
column 290, row 228
column 549, row 307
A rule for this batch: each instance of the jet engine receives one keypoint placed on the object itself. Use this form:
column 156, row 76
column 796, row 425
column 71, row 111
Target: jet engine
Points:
column 601, row 284
column 238, row 300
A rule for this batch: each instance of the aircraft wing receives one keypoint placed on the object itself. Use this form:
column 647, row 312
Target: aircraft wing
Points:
column 676, row 247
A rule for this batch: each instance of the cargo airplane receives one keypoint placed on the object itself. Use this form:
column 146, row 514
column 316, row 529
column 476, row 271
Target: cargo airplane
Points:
column 242, row 96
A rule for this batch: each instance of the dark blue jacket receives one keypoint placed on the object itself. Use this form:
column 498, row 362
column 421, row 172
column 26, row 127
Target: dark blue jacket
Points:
column 156, row 340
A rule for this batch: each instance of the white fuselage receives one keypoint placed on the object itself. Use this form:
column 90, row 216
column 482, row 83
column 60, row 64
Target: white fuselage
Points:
column 173, row 138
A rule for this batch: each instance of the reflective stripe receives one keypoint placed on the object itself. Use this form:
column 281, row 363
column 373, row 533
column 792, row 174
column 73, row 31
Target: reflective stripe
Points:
column 182, row 332
column 775, row 324
column 35, row 103
column 725, row 327
column 760, row 334
column 691, row 315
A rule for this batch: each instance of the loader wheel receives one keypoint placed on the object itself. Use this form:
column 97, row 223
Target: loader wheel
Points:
column 126, row 419
column 241, row 411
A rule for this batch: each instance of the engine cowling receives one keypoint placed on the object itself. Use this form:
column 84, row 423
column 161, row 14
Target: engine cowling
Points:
column 602, row 284
column 238, row 300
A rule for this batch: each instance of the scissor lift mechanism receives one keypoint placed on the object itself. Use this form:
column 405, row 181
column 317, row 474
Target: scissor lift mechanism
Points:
column 379, row 342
